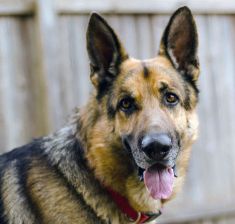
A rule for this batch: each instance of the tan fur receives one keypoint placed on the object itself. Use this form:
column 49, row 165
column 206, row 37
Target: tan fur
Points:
column 50, row 194
column 103, row 139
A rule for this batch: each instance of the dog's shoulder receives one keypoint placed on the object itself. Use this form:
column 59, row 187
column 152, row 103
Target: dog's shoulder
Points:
column 34, row 148
column 13, row 170
column 41, row 173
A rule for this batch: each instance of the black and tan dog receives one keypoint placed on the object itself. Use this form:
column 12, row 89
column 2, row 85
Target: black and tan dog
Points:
column 116, row 162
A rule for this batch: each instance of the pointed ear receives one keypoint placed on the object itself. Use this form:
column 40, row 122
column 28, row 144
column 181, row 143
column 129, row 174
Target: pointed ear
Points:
column 180, row 43
column 105, row 51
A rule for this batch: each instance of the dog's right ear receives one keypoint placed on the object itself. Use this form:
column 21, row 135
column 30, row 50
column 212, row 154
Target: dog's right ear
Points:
column 105, row 51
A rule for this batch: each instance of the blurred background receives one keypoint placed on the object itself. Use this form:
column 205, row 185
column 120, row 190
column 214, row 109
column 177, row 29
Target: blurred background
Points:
column 44, row 74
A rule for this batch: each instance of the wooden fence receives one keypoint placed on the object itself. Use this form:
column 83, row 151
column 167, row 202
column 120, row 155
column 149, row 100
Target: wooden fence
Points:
column 44, row 74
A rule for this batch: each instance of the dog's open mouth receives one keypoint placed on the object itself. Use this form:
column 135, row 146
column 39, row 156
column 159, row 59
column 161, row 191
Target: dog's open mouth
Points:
column 158, row 180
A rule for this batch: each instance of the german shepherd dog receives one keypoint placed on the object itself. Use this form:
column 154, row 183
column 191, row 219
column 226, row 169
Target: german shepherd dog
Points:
column 116, row 161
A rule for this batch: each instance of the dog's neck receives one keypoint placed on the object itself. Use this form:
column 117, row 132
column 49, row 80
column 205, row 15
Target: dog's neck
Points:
column 131, row 213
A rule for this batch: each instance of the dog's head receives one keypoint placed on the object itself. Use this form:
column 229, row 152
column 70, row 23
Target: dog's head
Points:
column 145, row 121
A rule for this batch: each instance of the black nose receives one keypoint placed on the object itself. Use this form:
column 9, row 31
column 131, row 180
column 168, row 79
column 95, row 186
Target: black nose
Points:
column 156, row 146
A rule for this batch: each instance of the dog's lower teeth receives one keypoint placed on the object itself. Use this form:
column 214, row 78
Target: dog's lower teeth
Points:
column 141, row 174
column 175, row 171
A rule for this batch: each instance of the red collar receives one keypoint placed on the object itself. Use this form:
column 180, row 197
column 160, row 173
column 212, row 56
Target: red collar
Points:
column 133, row 215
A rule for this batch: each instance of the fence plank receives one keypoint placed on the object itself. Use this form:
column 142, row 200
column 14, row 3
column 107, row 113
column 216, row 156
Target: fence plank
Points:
column 27, row 7
column 150, row 6
column 209, row 214
column 75, row 69
column 50, row 60
column 16, row 8
column 21, row 111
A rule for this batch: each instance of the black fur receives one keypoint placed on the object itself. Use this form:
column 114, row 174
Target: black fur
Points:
column 2, row 218
column 146, row 71
column 24, row 152
column 111, row 109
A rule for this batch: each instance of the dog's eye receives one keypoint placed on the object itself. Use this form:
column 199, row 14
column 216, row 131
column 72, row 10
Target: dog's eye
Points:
column 171, row 99
column 126, row 104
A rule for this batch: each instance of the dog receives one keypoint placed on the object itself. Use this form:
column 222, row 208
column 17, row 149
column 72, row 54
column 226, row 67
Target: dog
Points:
column 126, row 152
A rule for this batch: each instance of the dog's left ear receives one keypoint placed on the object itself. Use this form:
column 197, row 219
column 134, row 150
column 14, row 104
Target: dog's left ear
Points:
column 180, row 43
column 105, row 51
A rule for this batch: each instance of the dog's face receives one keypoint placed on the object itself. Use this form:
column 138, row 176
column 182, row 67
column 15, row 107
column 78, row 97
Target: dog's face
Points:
column 148, row 120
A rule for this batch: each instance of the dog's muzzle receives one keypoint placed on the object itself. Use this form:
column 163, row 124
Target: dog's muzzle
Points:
column 152, row 149
column 154, row 154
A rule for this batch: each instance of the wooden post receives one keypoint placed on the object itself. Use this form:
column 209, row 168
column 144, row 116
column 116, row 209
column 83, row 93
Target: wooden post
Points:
column 49, row 61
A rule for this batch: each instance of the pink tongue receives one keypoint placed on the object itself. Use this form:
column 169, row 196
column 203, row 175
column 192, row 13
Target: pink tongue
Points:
column 159, row 182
